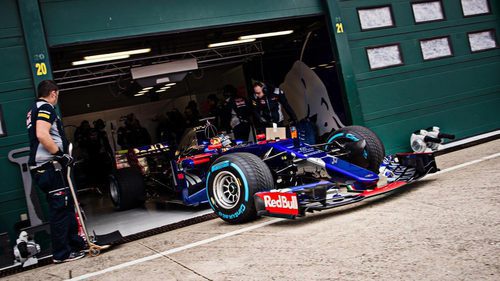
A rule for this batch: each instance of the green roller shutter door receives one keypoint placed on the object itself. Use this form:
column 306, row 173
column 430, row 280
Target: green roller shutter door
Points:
column 68, row 22
column 459, row 93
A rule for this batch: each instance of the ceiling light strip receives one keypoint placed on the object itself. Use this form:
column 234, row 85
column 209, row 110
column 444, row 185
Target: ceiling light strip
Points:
column 269, row 34
column 80, row 62
column 123, row 53
column 220, row 44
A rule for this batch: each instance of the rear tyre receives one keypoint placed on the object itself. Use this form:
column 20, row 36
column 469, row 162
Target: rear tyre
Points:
column 370, row 157
column 231, row 183
column 126, row 187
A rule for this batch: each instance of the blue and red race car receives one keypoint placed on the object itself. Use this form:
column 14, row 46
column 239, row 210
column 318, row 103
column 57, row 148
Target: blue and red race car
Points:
column 282, row 177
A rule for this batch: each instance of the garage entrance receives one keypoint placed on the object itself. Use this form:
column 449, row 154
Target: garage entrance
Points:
column 161, row 75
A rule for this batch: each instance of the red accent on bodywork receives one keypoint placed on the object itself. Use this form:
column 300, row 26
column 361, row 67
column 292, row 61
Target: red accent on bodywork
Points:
column 201, row 161
column 383, row 189
column 180, row 176
column 284, row 203
column 197, row 159
column 261, row 137
column 214, row 146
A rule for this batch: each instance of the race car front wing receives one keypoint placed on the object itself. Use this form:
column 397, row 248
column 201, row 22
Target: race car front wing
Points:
column 298, row 200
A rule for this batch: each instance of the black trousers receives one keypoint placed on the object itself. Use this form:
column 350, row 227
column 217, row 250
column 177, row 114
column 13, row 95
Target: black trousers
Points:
column 62, row 218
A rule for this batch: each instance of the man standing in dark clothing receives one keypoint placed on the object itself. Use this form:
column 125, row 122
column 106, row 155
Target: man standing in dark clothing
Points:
column 48, row 163
column 215, row 109
column 236, row 113
column 100, row 154
column 133, row 134
column 268, row 102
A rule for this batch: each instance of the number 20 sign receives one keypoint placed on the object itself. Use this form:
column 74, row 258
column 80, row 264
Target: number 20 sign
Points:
column 41, row 68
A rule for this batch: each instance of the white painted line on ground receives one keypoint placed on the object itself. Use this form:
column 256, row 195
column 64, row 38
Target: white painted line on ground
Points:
column 467, row 140
column 175, row 250
column 239, row 231
column 465, row 164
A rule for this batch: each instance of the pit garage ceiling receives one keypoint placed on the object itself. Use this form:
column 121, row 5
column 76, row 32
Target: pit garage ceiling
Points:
column 175, row 46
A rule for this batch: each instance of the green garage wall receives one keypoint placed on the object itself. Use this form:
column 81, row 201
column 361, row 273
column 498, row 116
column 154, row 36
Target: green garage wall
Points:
column 461, row 93
column 22, row 47
column 68, row 22
column 16, row 94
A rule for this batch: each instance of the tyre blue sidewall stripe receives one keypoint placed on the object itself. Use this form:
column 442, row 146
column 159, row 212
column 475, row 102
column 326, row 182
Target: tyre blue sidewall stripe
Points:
column 349, row 136
column 206, row 190
column 335, row 136
column 225, row 164
column 245, row 183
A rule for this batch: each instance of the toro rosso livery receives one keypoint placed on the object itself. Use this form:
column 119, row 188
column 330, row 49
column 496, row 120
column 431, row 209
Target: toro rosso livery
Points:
column 284, row 178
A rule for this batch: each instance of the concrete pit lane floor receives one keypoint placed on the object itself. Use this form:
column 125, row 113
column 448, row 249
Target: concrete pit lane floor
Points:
column 444, row 227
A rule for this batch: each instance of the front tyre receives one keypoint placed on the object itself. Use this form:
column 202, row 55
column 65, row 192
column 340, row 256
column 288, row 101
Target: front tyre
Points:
column 369, row 156
column 231, row 183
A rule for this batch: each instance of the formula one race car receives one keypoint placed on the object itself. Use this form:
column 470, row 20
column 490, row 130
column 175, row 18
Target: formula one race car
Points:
column 281, row 177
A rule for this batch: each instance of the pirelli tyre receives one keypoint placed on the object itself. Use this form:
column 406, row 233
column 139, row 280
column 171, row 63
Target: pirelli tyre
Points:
column 369, row 156
column 232, row 181
column 126, row 187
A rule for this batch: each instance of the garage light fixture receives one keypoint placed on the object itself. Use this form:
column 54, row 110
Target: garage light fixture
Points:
column 269, row 34
column 110, row 56
column 170, row 84
column 164, row 88
column 123, row 53
column 139, row 94
column 220, row 44
column 80, row 62
column 161, row 90
column 147, row 88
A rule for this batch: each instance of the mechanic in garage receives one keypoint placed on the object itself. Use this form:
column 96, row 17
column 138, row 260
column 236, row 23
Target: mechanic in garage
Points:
column 267, row 106
column 236, row 113
column 49, row 145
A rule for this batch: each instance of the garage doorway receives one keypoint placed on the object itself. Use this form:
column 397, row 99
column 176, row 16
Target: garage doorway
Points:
column 107, row 91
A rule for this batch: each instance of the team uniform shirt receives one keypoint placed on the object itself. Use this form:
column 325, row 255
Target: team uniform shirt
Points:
column 269, row 107
column 237, row 111
column 44, row 111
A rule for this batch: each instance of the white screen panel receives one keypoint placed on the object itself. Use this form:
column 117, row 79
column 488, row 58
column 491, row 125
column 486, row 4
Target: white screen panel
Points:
column 375, row 17
column 475, row 7
column 427, row 11
column 385, row 56
column 482, row 41
column 435, row 48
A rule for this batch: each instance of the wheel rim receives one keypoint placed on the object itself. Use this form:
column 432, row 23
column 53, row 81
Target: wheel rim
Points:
column 113, row 189
column 227, row 189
